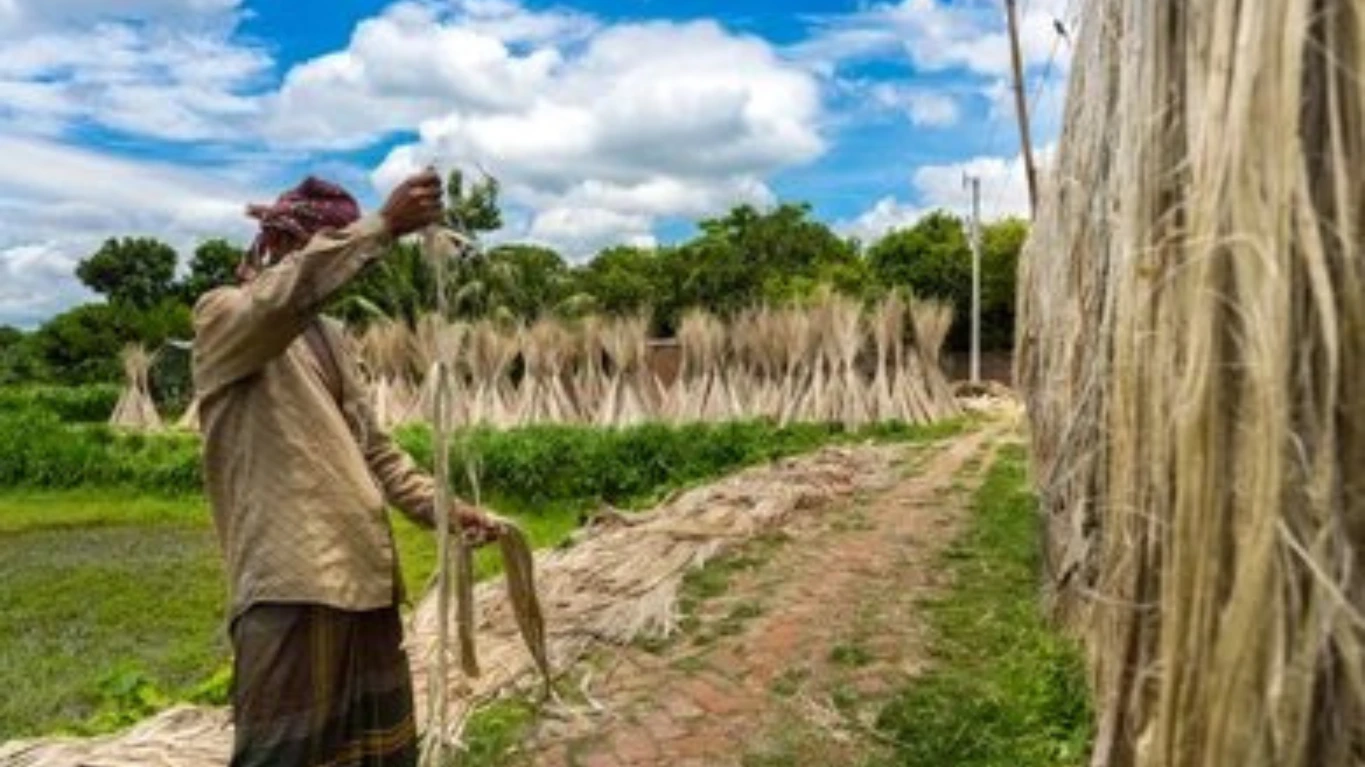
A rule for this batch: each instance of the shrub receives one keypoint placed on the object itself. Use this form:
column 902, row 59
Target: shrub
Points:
column 527, row 466
column 75, row 404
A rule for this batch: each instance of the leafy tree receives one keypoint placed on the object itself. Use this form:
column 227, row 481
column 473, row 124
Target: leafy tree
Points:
column 19, row 362
column 137, row 271
column 934, row 259
column 401, row 285
column 82, row 345
column 1001, row 242
column 513, row 281
column 214, row 264
column 622, row 280
column 750, row 256
column 474, row 208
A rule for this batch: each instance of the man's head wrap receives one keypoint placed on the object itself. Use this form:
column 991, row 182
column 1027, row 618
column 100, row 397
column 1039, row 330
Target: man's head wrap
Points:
column 301, row 212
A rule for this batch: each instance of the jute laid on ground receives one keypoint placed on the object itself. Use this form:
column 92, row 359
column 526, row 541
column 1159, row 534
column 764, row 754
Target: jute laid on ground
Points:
column 618, row 580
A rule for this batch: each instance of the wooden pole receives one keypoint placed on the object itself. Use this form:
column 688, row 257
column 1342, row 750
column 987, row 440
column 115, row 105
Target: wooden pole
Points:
column 1021, row 106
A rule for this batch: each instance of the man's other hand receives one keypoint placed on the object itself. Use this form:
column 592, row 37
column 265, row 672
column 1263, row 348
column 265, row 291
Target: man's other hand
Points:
column 478, row 526
column 414, row 204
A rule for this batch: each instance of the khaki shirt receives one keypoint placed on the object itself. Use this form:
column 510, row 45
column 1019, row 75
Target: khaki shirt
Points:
column 297, row 481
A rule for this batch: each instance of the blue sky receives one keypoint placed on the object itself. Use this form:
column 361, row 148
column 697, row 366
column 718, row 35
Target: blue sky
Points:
column 606, row 121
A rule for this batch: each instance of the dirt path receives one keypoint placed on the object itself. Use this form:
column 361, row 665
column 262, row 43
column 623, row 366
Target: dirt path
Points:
column 791, row 645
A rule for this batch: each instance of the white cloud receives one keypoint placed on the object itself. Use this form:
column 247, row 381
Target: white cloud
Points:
column 935, row 35
column 20, row 18
column 1004, row 192
column 648, row 120
column 402, row 67
column 59, row 203
column 886, row 214
column 165, row 69
column 925, row 108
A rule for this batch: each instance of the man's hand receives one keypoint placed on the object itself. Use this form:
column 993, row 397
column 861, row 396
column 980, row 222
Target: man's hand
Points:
column 479, row 528
column 414, row 204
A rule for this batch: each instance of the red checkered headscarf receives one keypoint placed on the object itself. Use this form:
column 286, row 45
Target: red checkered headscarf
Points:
column 301, row 212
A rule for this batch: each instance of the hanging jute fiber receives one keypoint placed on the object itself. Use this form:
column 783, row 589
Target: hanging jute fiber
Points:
column 1192, row 340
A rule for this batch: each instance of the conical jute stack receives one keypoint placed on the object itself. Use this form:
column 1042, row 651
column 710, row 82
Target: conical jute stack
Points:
column 632, row 394
column 888, row 330
column 1192, row 338
column 440, row 341
column 491, row 352
column 542, row 397
column 135, row 408
column 932, row 320
column 702, row 392
column 802, row 344
column 387, row 348
column 589, row 378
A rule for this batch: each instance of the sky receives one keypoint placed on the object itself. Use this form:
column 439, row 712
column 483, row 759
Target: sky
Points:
column 605, row 121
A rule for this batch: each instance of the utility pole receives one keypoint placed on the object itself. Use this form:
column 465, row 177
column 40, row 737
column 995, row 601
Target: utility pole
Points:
column 974, row 183
column 1021, row 106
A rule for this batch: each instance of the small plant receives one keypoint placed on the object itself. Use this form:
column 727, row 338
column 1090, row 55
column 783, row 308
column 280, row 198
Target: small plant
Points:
column 853, row 655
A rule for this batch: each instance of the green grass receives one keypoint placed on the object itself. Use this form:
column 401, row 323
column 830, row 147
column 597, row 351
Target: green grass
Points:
column 96, row 617
column 1004, row 689
column 27, row 510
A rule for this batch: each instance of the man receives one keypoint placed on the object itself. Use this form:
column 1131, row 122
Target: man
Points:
column 297, row 473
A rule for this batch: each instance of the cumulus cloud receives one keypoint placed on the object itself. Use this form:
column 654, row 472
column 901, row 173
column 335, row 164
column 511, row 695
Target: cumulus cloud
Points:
column 924, row 107
column 20, row 18
column 1004, row 192
column 59, row 203
column 934, row 35
column 408, row 65
column 648, row 120
column 163, row 69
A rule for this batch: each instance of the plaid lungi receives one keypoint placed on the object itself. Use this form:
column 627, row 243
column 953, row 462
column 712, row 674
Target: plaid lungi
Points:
column 314, row 685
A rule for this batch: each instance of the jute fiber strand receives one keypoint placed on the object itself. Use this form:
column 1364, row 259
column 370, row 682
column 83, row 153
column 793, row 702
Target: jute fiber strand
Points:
column 1192, row 344
column 441, row 247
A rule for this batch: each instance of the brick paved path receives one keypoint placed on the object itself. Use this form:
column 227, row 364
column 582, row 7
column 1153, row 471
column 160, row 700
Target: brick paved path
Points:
column 794, row 646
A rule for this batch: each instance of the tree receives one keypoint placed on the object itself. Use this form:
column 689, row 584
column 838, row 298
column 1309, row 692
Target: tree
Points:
column 621, row 280
column 473, row 209
column 137, row 271
column 749, row 256
column 19, row 362
column 82, row 345
column 1001, row 242
column 514, row 281
column 214, row 264
column 934, row 259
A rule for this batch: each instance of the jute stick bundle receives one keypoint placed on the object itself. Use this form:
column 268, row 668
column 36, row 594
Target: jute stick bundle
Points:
column 135, row 408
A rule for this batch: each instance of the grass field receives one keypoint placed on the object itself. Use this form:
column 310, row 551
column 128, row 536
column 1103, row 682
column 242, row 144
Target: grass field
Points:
column 1004, row 688
column 117, row 603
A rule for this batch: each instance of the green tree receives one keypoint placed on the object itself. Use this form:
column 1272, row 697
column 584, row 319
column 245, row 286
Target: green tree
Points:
column 472, row 208
column 621, row 280
column 19, row 361
column 750, row 256
column 1001, row 242
column 214, row 264
column 934, row 259
column 513, row 281
column 82, row 345
column 137, row 271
